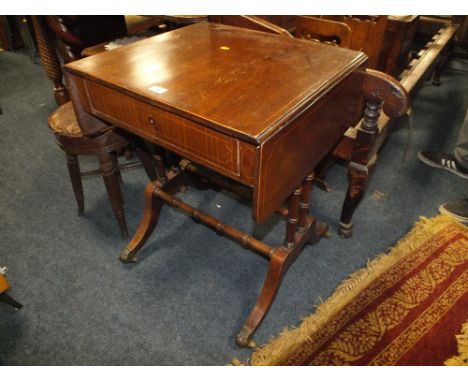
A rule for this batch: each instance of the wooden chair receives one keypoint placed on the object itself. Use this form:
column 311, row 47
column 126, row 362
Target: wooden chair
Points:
column 83, row 137
column 325, row 31
column 75, row 33
column 137, row 24
column 368, row 33
column 398, row 40
column 249, row 22
column 305, row 27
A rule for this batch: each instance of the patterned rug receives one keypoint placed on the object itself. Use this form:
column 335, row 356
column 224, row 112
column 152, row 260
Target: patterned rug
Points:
column 408, row 307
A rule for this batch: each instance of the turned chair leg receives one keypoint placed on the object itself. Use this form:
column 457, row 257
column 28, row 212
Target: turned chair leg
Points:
column 356, row 190
column 75, row 178
column 111, row 180
column 293, row 218
column 117, row 170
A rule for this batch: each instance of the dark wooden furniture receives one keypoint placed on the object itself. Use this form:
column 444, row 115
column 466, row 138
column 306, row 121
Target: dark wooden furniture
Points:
column 10, row 34
column 370, row 36
column 98, row 139
column 179, row 21
column 321, row 30
column 436, row 50
column 137, row 24
column 239, row 124
column 74, row 33
column 248, row 22
column 398, row 39
column 4, row 296
column 428, row 60
column 311, row 28
column 367, row 34
column 4, row 36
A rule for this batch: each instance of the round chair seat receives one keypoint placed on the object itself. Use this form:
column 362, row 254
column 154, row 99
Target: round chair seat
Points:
column 63, row 121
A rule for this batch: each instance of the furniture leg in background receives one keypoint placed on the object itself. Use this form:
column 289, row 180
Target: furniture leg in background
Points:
column 379, row 90
column 74, row 137
column 4, row 40
column 442, row 36
column 10, row 34
column 4, row 296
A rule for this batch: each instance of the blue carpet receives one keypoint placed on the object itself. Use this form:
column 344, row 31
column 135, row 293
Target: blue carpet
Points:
column 185, row 301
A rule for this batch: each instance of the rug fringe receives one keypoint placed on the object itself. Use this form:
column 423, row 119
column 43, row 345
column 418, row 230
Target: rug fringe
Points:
column 462, row 340
column 275, row 350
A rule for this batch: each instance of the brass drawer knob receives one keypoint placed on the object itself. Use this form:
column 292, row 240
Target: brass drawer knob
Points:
column 151, row 121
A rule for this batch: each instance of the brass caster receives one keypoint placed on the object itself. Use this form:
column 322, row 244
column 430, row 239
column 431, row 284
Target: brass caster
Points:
column 244, row 339
column 322, row 229
column 127, row 257
column 345, row 230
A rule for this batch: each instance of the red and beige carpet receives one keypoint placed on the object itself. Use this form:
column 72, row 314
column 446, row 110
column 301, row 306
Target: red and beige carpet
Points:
column 408, row 307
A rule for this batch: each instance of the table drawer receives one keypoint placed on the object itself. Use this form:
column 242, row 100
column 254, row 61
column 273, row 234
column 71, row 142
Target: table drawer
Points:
column 187, row 138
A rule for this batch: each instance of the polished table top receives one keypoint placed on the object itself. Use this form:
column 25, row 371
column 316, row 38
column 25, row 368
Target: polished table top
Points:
column 241, row 82
column 259, row 108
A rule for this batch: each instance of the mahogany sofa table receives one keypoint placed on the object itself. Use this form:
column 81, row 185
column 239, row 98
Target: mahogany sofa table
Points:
column 252, row 111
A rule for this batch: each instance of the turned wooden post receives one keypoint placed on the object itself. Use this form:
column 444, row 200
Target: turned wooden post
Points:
column 49, row 58
column 381, row 91
column 111, row 181
column 293, row 218
column 75, row 177
column 305, row 202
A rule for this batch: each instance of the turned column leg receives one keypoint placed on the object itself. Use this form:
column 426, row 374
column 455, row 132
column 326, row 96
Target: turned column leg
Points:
column 111, row 181
column 75, row 178
column 358, row 179
column 115, row 159
column 304, row 203
column 380, row 91
column 293, row 218
column 49, row 58
column 361, row 162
